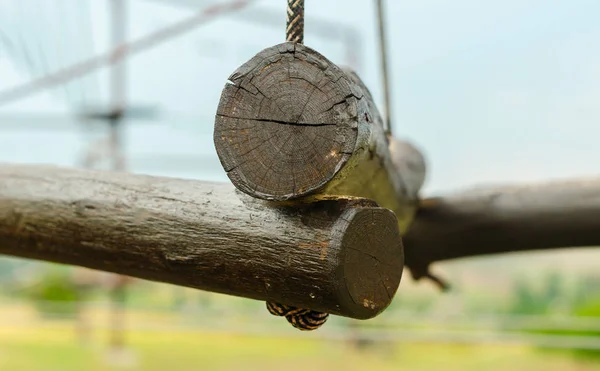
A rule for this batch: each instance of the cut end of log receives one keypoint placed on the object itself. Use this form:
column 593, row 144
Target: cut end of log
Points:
column 287, row 123
column 372, row 261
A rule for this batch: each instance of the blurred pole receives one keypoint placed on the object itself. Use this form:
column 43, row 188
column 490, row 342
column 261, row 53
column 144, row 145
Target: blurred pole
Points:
column 118, row 293
column 117, row 107
column 85, row 280
column 384, row 68
column 118, row 67
column 118, row 80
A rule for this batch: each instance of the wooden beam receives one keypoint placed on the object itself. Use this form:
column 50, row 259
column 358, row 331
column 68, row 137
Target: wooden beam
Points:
column 339, row 256
column 551, row 215
column 292, row 125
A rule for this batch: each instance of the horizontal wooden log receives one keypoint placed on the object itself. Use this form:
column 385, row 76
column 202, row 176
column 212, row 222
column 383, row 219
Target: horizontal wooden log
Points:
column 291, row 124
column 338, row 256
column 552, row 215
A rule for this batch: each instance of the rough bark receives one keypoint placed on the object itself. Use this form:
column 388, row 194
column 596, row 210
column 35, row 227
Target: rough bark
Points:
column 291, row 125
column 498, row 220
column 338, row 256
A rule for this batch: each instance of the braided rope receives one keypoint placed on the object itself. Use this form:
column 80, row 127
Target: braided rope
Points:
column 294, row 31
column 302, row 319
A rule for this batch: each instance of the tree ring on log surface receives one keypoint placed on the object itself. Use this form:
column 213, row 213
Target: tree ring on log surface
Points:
column 368, row 235
column 287, row 122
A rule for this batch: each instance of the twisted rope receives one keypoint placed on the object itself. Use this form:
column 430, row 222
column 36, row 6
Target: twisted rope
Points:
column 294, row 31
column 302, row 319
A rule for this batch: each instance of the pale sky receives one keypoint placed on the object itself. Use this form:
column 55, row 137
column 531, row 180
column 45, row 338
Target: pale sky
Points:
column 492, row 91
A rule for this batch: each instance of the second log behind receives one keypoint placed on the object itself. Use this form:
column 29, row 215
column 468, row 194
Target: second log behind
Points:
column 291, row 125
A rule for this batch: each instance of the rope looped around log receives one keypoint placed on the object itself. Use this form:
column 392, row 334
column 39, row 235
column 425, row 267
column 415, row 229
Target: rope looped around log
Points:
column 302, row 319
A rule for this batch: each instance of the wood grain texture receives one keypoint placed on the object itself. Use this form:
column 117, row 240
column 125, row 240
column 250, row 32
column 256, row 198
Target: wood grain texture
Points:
column 285, row 124
column 338, row 256
column 552, row 215
column 292, row 125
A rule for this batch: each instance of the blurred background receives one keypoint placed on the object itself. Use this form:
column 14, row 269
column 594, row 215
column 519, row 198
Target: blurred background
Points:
column 493, row 92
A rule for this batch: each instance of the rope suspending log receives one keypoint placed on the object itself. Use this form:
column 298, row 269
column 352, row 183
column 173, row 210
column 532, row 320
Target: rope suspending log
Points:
column 294, row 30
column 303, row 319
column 340, row 256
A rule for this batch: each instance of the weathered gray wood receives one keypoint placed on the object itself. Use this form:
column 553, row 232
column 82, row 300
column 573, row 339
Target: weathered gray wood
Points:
column 339, row 256
column 291, row 124
column 504, row 219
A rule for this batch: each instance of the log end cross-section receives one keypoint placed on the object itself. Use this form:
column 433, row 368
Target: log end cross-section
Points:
column 372, row 260
column 287, row 122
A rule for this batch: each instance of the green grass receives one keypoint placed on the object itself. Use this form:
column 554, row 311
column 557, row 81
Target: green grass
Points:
column 29, row 342
column 54, row 347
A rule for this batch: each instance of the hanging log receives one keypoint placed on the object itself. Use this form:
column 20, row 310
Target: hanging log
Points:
column 337, row 256
column 292, row 125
